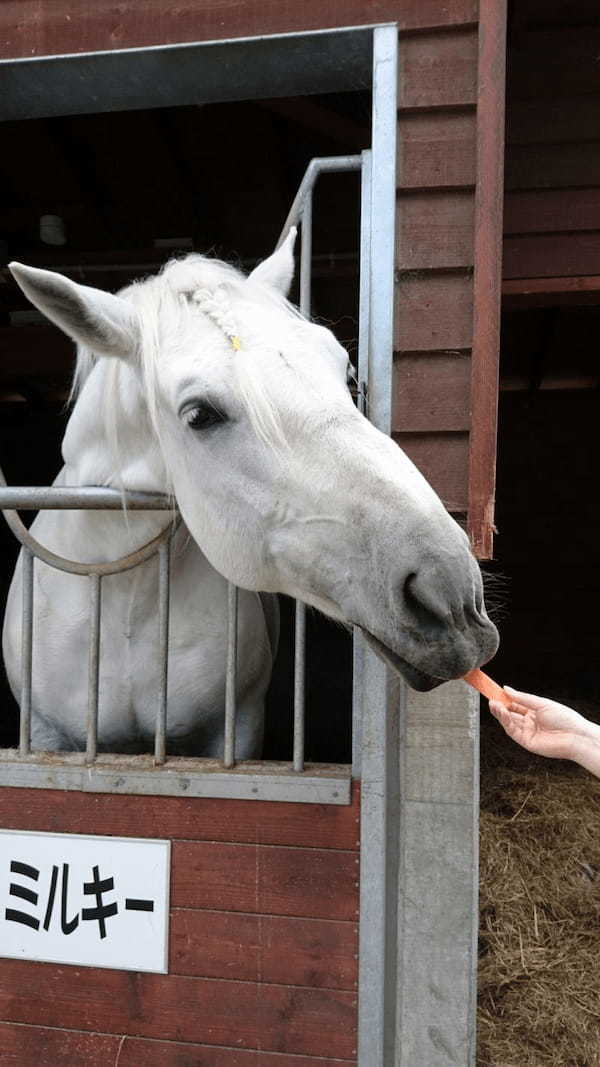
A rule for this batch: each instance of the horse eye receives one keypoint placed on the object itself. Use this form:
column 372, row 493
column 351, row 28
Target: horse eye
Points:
column 203, row 416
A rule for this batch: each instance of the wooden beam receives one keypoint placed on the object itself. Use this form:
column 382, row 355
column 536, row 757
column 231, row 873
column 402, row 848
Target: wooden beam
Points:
column 487, row 275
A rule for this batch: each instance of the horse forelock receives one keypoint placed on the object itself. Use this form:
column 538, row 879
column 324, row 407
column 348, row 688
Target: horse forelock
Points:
column 191, row 286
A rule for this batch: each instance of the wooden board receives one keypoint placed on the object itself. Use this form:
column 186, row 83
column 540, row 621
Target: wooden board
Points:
column 434, row 229
column 251, row 822
column 551, row 254
column 33, row 28
column 266, row 879
column 250, row 1015
column 444, row 460
column 268, row 948
column 438, row 69
column 434, row 311
column 432, row 392
column 553, row 166
column 436, row 149
column 23, row 1045
column 551, row 210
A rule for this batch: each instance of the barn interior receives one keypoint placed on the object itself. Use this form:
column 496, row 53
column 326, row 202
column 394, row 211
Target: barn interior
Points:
column 107, row 198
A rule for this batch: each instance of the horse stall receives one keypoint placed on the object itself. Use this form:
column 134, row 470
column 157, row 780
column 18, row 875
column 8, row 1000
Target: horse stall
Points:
column 539, row 980
column 315, row 903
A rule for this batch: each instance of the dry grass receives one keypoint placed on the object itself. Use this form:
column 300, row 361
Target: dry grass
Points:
column 539, row 967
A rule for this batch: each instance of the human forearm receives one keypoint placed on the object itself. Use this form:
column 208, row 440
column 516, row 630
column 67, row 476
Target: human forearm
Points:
column 586, row 749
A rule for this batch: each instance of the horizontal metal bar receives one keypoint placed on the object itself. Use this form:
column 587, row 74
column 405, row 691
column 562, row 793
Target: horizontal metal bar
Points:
column 318, row 165
column 137, row 775
column 34, row 498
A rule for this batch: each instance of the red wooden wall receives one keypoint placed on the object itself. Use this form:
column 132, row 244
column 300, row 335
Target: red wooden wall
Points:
column 449, row 227
column 552, row 210
column 263, row 941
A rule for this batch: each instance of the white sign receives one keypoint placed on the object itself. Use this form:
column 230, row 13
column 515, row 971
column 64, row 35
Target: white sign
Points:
column 91, row 901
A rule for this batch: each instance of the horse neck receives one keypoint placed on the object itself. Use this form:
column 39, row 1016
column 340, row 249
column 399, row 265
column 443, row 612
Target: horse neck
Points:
column 109, row 438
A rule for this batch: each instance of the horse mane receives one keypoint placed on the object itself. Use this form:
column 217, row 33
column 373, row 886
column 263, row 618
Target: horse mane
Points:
column 162, row 300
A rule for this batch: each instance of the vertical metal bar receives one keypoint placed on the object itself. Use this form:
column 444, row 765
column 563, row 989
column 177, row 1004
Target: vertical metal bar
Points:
column 383, row 697
column 26, row 652
column 93, row 668
column 231, row 676
column 359, row 646
column 364, row 298
column 306, row 255
column 300, row 616
column 299, row 685
column 160, row 735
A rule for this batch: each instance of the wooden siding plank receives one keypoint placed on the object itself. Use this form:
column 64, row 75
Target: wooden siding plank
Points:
column 551, row 210
column 487, row 278
column 431, row 392
column 30, row 28
column 438, row 70
column 564, row 119
column 253, row 948
column 136, row 1053
column 557, row 62
column 37, row 1046
column 553, row 166
column 265, row 880
column 551, row 255
column 436, row 150
column 434, row 311
column 444, row 460
column 434, row 229
column 249, row 1015
column 252, row 822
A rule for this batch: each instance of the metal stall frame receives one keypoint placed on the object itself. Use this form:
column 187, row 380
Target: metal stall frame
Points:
column 340, row 59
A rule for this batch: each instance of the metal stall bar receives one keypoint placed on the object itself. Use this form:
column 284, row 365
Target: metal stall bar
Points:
column 381, row 692
column 91, row 750
column 231, row 676
column 359, row 645
column 26, row 653
column 160, row 734
column 301, row 213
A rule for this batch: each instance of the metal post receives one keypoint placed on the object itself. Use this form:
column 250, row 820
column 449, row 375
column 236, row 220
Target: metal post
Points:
column 359, row 647
column 26, row 652
column 231, row 676
column 299, row 685
column 93, row 668
column 382, row 693
column 160, row 737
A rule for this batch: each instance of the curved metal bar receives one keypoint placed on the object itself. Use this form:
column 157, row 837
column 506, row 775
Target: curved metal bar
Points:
column 125, row 563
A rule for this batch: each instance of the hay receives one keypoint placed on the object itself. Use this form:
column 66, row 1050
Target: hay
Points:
column 539, row 966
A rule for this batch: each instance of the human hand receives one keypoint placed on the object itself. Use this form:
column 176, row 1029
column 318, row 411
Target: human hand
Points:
column 545, row 727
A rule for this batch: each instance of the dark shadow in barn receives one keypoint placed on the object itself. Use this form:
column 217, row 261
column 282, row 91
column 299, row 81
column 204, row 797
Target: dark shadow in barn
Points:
column 129, row 190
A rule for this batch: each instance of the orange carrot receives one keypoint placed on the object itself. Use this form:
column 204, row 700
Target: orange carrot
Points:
column 487, row 686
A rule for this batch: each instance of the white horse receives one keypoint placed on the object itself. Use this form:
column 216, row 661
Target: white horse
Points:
column 209, row 385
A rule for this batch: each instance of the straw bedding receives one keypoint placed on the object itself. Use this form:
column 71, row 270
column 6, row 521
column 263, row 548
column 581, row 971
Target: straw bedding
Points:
column 539, row 966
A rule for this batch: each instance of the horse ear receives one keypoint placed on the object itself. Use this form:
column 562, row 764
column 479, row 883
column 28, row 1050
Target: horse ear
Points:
column 278, row 269
column 104, row 323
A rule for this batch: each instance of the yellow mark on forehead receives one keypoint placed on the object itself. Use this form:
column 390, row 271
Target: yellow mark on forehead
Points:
column 235, row 342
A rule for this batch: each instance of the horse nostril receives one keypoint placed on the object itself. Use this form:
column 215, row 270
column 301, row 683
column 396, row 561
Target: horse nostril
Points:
column 430, row 603
column 425, row 606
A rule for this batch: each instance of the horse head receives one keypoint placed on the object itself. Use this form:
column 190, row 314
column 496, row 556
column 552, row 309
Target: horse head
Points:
column 284, row 485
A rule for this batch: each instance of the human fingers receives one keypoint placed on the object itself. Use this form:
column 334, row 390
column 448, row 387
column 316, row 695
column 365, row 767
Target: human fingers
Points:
column 527, row 700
